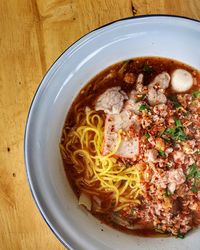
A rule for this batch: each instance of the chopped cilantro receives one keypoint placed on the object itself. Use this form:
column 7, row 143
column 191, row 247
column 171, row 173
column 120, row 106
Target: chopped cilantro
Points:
column 147, row 135
column 197, row 176
column 180, row 235
column 175, row 101
column 162, row 153
column 180, row 135
column 196, row 94
column 143, row 107
column 194, row 189
column 178, row 123
column 170, row 130
column 167, row 192
column 193, row 172
column 147, row 68
column 176, row 133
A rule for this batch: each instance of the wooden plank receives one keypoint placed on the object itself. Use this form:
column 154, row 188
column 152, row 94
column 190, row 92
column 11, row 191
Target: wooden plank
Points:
column 21, row 69
column 33, row 34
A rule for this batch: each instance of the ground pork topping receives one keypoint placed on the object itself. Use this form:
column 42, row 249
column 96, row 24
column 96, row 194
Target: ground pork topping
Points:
column 169, row 145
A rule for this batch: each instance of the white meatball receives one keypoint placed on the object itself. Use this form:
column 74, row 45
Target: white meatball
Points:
column 182, row 80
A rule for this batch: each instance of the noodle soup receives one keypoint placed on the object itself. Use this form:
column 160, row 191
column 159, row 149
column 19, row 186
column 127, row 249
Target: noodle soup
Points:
column 131, row 147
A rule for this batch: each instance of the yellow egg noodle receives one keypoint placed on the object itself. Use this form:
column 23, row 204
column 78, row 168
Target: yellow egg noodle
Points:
column 83, row 147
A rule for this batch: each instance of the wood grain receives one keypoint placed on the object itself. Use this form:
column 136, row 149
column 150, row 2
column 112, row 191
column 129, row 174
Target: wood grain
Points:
column 33, row 34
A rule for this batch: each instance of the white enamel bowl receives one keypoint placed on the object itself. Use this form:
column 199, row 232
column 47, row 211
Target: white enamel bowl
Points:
column 166, row 36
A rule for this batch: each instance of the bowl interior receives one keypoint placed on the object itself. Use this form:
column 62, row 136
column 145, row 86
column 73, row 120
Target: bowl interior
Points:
column 164, row 36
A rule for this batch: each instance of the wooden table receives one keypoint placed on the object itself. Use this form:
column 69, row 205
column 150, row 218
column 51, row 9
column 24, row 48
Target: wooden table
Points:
column 33, row 34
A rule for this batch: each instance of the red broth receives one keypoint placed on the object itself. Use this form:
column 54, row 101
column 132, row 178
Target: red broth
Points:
column 124, row 74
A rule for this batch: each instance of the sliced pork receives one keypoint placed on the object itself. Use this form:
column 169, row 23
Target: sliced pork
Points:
column 111, row 101
column 161, row 81
column 124, row 122
column 157, row 88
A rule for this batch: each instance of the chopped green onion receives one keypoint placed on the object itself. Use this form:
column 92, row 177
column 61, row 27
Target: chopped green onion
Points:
column 181, row 235
column 177, row 133
column 194, row 189
column 162, row 153
column 167, row 192
column 180, row 135
column 170, row 130
column 175, row 101
column 178, row 123
column 147, row 135
column 193, row 172
column 196, row 93
column 147, row 68
column 143, row 107
column 197, row 175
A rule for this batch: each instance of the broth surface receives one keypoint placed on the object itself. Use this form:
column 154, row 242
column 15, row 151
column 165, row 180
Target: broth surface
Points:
column 166, row 164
